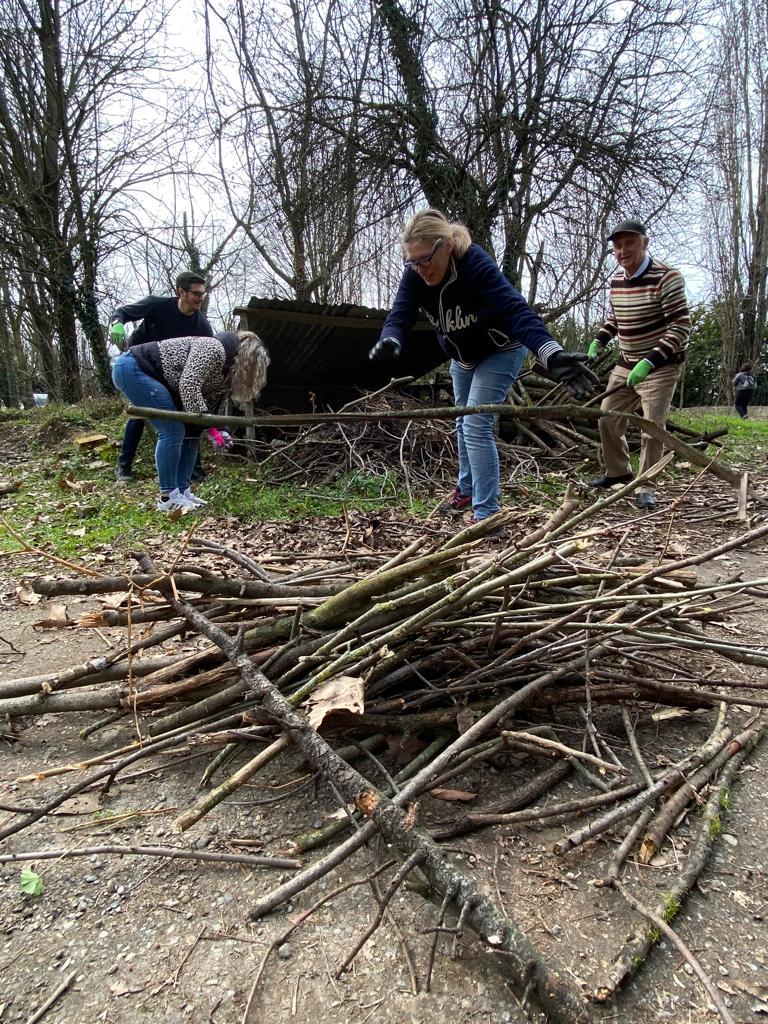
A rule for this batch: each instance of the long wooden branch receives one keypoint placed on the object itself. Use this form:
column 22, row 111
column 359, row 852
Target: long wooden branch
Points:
column 515, row 412
column 525, row 965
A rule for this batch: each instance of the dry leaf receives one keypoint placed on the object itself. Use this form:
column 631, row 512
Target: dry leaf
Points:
column 742, row 899
column 750, row 988
column 71, row 483
column 459, row 795
column 340, row 693
column 667, row 713
column 58, row 619
column 26, row 595
column 79, row 532
column 115, row 601
column 465, row 719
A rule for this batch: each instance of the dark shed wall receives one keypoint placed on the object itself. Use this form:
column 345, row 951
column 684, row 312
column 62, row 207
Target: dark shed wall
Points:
column 325, row 348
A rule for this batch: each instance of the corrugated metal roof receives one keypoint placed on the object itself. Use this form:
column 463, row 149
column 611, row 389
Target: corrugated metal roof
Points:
column 316, row 347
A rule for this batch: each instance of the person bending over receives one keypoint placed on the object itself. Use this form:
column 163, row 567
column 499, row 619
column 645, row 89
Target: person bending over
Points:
column 159, row 318
column 486, row 328
column 192, row 374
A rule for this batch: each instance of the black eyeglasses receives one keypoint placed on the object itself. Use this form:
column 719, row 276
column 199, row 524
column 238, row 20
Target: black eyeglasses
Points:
column 198, row 295
column 424, row 261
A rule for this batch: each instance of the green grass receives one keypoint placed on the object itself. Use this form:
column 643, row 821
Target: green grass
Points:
column 93, row 515
column 746, row 440
column 69, row 504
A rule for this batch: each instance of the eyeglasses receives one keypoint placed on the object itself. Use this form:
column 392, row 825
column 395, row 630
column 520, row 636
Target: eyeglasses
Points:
column 198, row 295
column 424, row 261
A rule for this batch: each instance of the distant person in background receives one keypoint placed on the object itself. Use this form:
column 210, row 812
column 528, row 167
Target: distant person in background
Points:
column 192, row 374
column 486, row 328
column 649, row 315
column 744, row 385
column 161, row 318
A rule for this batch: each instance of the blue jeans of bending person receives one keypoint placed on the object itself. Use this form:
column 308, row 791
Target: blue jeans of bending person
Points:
column 175, row 453
column 130, row 443
column 487, row 383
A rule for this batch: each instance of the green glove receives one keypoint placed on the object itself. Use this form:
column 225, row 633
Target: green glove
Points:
column 639, row 372
column 594, row 349
column 117, row 333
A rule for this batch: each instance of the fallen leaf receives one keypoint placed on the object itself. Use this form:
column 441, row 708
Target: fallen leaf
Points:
column 30, row 883
column 115, row 601
column 58, row 619
column 460, row 795
column 756, row 991
column 79, row 532
column 465, row 719
column 665, row 714
column 340, row 693
column 742, row 899
column 70, row 483
column 26, row 595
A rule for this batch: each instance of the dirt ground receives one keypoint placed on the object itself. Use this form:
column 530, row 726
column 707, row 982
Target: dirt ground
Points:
column 147, row 939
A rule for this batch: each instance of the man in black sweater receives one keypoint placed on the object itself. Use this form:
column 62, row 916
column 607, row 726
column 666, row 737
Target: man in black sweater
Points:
column 161, row 318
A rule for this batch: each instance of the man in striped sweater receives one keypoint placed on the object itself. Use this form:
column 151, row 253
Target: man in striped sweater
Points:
column 649, row 315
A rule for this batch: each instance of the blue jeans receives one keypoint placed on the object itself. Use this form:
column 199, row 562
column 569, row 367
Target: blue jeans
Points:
column 485, row 384
column 131, row 437
column 175, row 453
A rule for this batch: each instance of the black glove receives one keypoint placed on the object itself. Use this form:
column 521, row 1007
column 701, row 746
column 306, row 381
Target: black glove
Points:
column 385, row 348
column 570, row 369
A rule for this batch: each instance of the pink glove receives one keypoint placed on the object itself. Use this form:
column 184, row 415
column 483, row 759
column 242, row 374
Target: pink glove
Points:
column 217, row 437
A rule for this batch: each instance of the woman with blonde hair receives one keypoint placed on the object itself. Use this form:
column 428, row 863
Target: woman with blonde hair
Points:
column 486, row 328
column 191, row 374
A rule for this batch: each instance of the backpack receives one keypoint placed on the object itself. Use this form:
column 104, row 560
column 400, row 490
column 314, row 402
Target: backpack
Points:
column 749, row 383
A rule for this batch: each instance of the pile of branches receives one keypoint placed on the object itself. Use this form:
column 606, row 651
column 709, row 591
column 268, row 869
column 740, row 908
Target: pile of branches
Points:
column 449, row 642
column 396, row 438
column 422, row 453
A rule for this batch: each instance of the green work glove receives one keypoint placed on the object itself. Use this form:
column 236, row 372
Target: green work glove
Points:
column 594, row 349
column 117, row 333
column 639, row 372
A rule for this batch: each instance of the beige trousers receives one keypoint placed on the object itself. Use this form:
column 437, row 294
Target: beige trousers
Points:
column 654, row 397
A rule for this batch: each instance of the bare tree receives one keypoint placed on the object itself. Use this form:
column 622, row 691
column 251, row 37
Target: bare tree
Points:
column 294, row 157
column 737, row 210
column 539, row 124
column 70, row 147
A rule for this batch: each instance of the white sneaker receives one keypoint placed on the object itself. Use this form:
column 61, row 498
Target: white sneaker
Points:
column 197, row 502
column 175, row 500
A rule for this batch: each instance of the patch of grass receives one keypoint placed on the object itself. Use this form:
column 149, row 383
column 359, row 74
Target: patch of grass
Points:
column 69, row 504
column 671, row 907
column 745, row 440
column 257, row 496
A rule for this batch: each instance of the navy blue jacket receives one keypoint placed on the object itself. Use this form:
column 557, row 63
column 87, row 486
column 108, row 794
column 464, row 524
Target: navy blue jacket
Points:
column 475, row 311
column 161, row 318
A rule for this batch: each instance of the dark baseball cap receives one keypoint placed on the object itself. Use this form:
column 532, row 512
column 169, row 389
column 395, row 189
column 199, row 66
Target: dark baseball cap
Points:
column 632, row 227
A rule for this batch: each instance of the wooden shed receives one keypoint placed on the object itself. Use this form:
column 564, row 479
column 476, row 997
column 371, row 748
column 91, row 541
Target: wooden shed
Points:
column 319, row 354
